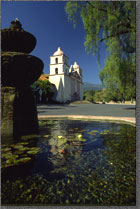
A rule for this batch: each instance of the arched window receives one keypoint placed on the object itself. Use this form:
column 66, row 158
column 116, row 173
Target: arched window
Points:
column 56, row 60
column 56, row 70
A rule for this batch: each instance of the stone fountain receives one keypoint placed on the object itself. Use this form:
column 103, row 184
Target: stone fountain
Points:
column 18, row 71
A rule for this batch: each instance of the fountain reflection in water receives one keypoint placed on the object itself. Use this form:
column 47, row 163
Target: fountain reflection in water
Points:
column 73, row 162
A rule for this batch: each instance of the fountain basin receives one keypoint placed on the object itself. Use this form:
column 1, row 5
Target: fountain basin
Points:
column 15, row 39
column 20, row 69
column 72, row 162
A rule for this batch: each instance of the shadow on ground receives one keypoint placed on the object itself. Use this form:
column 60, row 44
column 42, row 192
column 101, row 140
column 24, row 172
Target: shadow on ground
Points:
column 129, row 108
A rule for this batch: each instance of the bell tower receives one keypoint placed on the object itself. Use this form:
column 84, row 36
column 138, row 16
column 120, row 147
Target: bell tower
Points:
column 59, row 63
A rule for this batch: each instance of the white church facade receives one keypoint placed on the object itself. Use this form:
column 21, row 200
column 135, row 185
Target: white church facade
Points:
column 67, row 79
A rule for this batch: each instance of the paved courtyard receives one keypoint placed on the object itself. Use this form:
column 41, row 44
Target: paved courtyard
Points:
column 112, row 110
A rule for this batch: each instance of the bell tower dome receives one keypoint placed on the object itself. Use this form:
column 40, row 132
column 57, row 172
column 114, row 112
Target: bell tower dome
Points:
column 59, row 63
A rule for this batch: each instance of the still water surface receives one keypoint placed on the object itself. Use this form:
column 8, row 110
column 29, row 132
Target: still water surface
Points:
column 71, row 162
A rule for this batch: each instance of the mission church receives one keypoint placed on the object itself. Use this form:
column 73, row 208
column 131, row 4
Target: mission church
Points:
column 68, row 85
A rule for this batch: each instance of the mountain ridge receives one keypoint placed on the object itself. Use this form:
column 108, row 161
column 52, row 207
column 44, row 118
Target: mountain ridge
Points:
column 91, row 86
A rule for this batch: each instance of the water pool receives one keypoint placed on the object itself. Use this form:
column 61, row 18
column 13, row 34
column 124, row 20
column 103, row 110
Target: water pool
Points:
column 71, row 162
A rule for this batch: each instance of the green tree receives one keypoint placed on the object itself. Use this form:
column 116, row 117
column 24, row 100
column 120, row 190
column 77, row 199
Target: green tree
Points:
column 100, row 96
column 111, row 22
column 88, row 95
column 45, row 86
column 103, row 21
column 119, row 75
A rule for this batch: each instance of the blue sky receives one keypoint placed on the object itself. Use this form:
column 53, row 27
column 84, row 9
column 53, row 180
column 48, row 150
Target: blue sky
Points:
column 48, row 22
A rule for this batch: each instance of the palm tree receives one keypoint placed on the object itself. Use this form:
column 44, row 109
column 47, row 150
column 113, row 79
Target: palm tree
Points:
column 45, row 86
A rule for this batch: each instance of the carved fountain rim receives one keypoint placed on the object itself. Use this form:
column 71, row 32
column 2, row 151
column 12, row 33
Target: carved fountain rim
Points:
column 129, row 120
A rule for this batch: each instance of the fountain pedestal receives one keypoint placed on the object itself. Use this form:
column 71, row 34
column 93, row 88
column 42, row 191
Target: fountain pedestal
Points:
column 7, row 110
column 19, row 70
